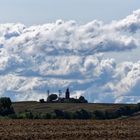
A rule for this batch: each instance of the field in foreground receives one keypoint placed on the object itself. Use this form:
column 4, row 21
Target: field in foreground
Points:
column 69, row 129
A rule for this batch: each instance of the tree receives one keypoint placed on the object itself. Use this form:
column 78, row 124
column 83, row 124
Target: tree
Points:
column 41, row 101
column 5, row 106
column 82, row 99
column 52, row 97
column 5, row 102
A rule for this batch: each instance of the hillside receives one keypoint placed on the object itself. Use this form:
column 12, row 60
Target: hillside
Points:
column 71, row 107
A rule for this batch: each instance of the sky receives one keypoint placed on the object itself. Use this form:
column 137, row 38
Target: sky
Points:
column 38, row 12
column 90, row 46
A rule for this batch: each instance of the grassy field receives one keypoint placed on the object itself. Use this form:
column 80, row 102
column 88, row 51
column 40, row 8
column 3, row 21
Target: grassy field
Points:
column 70, row 129
column 71, row 107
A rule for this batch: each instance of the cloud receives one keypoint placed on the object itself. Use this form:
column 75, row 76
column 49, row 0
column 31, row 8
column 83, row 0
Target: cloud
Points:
column 64, row 54
column 65, row 38
column 130, row 24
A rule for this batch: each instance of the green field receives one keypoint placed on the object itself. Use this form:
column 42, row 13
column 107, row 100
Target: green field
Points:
column 71, row 107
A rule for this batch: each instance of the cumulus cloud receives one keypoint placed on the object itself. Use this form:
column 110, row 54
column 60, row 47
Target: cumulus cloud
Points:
column 131, row 23
column 64, row 54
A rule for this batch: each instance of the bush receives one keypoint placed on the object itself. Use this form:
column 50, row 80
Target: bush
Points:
column 48, row 116
column 59, row 114
column 12, row 116
column 52, row 97
column 82, row 114
column 85, row 114
column 98, row 114
column 45, row 116
column 82, row 99
column 25, row 115
column 41, row 101
column 7, row 111
column 112, row 114
column 68, row 115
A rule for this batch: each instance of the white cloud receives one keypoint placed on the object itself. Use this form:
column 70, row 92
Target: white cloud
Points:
column 61, row 54
column 131, row 23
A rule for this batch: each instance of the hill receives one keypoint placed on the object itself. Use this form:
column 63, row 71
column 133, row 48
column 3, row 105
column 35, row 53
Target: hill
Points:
column 70, row 107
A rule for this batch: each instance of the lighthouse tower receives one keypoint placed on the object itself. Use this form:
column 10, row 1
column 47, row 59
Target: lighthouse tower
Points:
column 67, row 94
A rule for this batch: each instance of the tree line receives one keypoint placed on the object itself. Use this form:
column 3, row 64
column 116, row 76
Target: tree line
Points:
column 83, row 114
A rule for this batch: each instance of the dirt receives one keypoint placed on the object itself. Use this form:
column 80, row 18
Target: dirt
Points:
column 69, row 129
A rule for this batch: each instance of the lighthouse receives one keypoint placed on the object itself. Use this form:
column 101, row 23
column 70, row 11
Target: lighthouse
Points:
column 67, row 94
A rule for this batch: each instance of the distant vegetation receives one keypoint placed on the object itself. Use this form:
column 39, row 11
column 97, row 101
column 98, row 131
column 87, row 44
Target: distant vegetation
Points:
column 80, row 114
column 6, row 110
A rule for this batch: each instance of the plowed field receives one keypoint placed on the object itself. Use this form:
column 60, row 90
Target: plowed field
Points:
column 69, row 129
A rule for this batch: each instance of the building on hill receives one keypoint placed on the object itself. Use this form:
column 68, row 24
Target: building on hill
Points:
column 53, row 98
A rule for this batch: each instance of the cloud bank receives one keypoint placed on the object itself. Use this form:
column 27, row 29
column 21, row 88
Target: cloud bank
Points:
column 64, row 54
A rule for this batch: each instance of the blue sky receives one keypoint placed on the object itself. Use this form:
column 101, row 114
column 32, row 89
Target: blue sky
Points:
column 41, row 11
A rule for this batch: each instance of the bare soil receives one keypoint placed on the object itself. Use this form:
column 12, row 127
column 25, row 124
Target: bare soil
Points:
column 126, row 129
